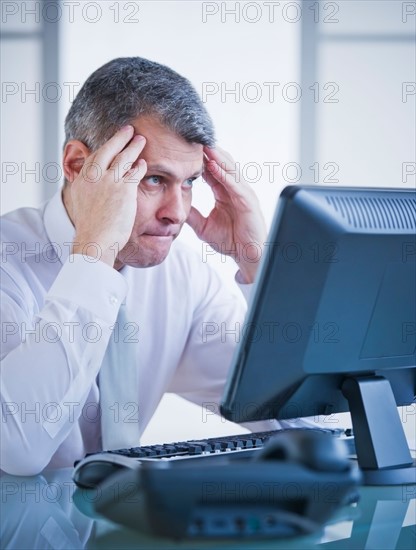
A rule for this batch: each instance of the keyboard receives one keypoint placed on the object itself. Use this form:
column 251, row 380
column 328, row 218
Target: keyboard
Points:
column 96, row 467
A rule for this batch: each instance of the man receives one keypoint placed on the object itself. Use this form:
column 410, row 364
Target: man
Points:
column 137, row 136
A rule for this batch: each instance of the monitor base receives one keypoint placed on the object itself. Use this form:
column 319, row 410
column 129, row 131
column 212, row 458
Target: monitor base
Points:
column 382, row 450
column 390, row 476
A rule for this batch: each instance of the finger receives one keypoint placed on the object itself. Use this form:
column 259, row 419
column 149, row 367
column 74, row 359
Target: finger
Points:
column 125, row 160
column 136, row 174
column 218, row 190
column 106, row 153
column 231, row 182
column 196, row 220
column 221, row 157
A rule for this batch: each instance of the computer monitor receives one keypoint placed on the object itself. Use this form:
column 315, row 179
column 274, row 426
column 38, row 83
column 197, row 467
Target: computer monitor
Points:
column 332, row 322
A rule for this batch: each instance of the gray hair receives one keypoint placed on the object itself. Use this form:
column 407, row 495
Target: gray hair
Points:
column 128, row 87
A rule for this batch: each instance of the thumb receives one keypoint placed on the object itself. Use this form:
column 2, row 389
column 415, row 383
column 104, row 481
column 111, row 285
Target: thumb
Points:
column 197, row 221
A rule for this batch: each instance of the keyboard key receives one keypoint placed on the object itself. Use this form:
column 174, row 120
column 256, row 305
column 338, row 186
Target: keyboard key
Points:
column 227, row 445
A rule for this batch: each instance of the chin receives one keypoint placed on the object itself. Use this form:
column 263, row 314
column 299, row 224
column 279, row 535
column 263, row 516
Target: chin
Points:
column 145, row 258
column 150, row 262
column 146, row 251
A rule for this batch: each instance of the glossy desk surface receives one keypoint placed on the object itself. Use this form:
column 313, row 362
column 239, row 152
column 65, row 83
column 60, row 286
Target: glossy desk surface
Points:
column 46, row 511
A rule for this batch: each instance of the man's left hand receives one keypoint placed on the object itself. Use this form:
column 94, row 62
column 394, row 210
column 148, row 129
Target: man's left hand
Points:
column 235, row 226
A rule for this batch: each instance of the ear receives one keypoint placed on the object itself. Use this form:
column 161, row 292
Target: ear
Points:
column 75, row 154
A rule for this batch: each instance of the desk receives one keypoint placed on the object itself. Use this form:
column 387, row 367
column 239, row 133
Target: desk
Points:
column 44, row 512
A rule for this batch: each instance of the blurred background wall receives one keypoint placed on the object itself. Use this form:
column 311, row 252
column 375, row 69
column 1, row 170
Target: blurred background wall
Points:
column 300, row 92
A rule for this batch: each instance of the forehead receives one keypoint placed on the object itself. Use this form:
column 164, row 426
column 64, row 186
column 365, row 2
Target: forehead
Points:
column 165, row 147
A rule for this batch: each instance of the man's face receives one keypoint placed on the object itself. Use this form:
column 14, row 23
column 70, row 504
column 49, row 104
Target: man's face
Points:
column 163, row 196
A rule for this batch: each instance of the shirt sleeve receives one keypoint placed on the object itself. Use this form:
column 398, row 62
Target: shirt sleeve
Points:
column 246, row 288
column 51, row 356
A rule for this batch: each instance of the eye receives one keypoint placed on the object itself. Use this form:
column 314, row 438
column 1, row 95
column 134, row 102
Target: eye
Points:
column 189, row 183
column 154, row 180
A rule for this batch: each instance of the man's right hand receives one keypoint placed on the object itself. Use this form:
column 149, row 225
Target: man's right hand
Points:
column 104, row 196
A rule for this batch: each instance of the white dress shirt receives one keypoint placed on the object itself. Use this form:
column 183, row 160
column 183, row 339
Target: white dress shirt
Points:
column 58, row 311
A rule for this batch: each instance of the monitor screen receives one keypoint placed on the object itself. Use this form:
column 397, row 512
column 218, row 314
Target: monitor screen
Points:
column 332, row 322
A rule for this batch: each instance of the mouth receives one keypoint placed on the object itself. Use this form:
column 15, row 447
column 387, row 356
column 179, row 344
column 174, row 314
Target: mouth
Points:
column 160, row 235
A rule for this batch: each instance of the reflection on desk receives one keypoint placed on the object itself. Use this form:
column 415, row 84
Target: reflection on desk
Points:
column 46, row 511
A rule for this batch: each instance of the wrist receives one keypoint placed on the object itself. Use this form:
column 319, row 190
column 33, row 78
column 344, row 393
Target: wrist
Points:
column 247, row 274
column 94, row 249
column 249, row 263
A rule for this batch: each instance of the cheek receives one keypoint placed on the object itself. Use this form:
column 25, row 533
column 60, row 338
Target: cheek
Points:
column 145, row 210
column 146, row 201
column 187, row 201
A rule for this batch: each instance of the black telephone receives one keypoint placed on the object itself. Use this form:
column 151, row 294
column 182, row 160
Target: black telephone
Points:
column 292, row 487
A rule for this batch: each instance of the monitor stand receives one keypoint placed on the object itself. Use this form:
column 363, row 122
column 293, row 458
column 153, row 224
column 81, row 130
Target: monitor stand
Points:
column 382, row 450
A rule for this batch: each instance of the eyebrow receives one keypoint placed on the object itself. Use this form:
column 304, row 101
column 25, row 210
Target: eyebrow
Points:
column 166, row 172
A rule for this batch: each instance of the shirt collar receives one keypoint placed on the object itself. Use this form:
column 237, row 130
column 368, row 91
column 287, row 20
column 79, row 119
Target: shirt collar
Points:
column 58, row 226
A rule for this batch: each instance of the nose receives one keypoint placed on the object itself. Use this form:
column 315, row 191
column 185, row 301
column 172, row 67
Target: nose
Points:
column 173, row 209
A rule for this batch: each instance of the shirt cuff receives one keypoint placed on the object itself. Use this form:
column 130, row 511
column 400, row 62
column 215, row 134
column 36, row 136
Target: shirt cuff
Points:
column 246, row 288
column 91, row 284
